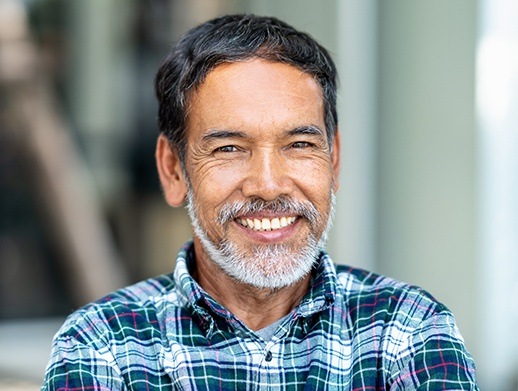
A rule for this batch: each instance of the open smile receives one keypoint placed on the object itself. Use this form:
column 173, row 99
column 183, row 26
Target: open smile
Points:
column 266, row 224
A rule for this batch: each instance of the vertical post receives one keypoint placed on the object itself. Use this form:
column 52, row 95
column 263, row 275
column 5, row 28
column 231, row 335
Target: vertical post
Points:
column 497, row 109
column 353, row 235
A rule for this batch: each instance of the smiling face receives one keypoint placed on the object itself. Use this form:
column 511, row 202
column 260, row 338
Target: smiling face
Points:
column 261, row 173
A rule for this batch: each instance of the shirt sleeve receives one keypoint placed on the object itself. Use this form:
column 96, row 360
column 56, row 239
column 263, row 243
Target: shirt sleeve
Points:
column 436, row 359
column 75, row 366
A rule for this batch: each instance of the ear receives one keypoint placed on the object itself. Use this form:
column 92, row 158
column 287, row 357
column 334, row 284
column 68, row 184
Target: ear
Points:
column 170, row 172
column 335, row 160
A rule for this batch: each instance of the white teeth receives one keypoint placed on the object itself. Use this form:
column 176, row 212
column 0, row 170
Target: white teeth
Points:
column 267, row 224
column 276, row 223
column 250, row 223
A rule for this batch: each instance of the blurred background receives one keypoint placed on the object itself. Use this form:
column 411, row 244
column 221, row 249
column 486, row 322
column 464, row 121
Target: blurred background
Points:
column 428, row 111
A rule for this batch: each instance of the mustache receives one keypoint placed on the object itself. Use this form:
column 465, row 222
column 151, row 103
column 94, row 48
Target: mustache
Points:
column 284, row 205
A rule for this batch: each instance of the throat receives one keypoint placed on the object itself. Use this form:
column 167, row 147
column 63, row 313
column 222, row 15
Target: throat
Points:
column 259, row 308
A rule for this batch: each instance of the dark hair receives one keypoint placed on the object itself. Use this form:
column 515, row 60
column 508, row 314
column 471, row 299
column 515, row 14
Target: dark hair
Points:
column 229, row 39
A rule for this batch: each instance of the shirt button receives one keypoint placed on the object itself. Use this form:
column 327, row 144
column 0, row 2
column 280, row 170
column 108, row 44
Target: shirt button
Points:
column 268, row 356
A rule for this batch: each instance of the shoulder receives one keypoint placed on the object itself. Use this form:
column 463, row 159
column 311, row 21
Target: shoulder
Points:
column 132, row 310
column 367, row 294
column 144, row 293
column 415, row 335
column 104, row 342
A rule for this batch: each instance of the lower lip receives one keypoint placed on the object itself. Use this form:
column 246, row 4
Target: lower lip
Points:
column 277, row 235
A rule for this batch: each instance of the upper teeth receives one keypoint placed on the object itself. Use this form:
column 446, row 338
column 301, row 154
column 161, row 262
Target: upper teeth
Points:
column 267, row 224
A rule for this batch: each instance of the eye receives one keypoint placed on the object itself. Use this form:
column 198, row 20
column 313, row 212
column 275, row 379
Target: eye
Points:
column 301, row 144
column 227, row 148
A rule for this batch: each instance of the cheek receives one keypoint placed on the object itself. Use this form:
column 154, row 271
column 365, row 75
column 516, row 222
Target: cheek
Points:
column 316, row 188
column 313, row 177
column 213, row 188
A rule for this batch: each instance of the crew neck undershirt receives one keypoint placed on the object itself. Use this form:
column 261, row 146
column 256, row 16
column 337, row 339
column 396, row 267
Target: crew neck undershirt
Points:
column 267, row 332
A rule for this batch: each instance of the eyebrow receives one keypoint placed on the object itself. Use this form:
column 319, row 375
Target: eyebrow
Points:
column 214, row 134
column 306, row 129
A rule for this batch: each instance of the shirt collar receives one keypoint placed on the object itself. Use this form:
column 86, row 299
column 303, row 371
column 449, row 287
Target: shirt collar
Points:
column 321, row 294
column 322, row 291
column 190, row 290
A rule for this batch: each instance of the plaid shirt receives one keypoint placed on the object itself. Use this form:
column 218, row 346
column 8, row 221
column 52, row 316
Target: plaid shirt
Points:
column 354, row 330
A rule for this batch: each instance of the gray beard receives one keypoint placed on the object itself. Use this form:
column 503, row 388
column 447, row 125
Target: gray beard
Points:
column 271, row 266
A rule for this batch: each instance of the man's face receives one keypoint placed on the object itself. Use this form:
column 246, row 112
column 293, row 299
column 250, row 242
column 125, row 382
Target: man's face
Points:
column 260, row 171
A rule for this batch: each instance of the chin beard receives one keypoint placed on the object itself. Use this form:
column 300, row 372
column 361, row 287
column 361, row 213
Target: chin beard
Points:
column 265, row 266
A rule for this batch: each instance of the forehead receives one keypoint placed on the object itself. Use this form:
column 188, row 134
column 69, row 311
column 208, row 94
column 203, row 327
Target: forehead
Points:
column 256, row 93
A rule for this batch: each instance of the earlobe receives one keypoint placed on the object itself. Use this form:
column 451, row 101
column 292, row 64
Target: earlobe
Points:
column 170, row 172
column 335, row 160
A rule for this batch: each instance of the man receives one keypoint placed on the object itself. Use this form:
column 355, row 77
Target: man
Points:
column 249, row 140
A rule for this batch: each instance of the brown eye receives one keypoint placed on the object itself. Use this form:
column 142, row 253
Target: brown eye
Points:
column 227, row 148
column 300, row 144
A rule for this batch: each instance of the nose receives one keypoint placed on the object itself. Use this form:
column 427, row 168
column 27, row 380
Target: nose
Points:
column 267, row 175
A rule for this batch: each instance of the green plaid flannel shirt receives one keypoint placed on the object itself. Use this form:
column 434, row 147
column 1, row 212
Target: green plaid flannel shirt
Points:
column 354, row 330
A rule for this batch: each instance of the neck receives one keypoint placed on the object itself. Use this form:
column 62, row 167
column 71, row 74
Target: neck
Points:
column 256, row 307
